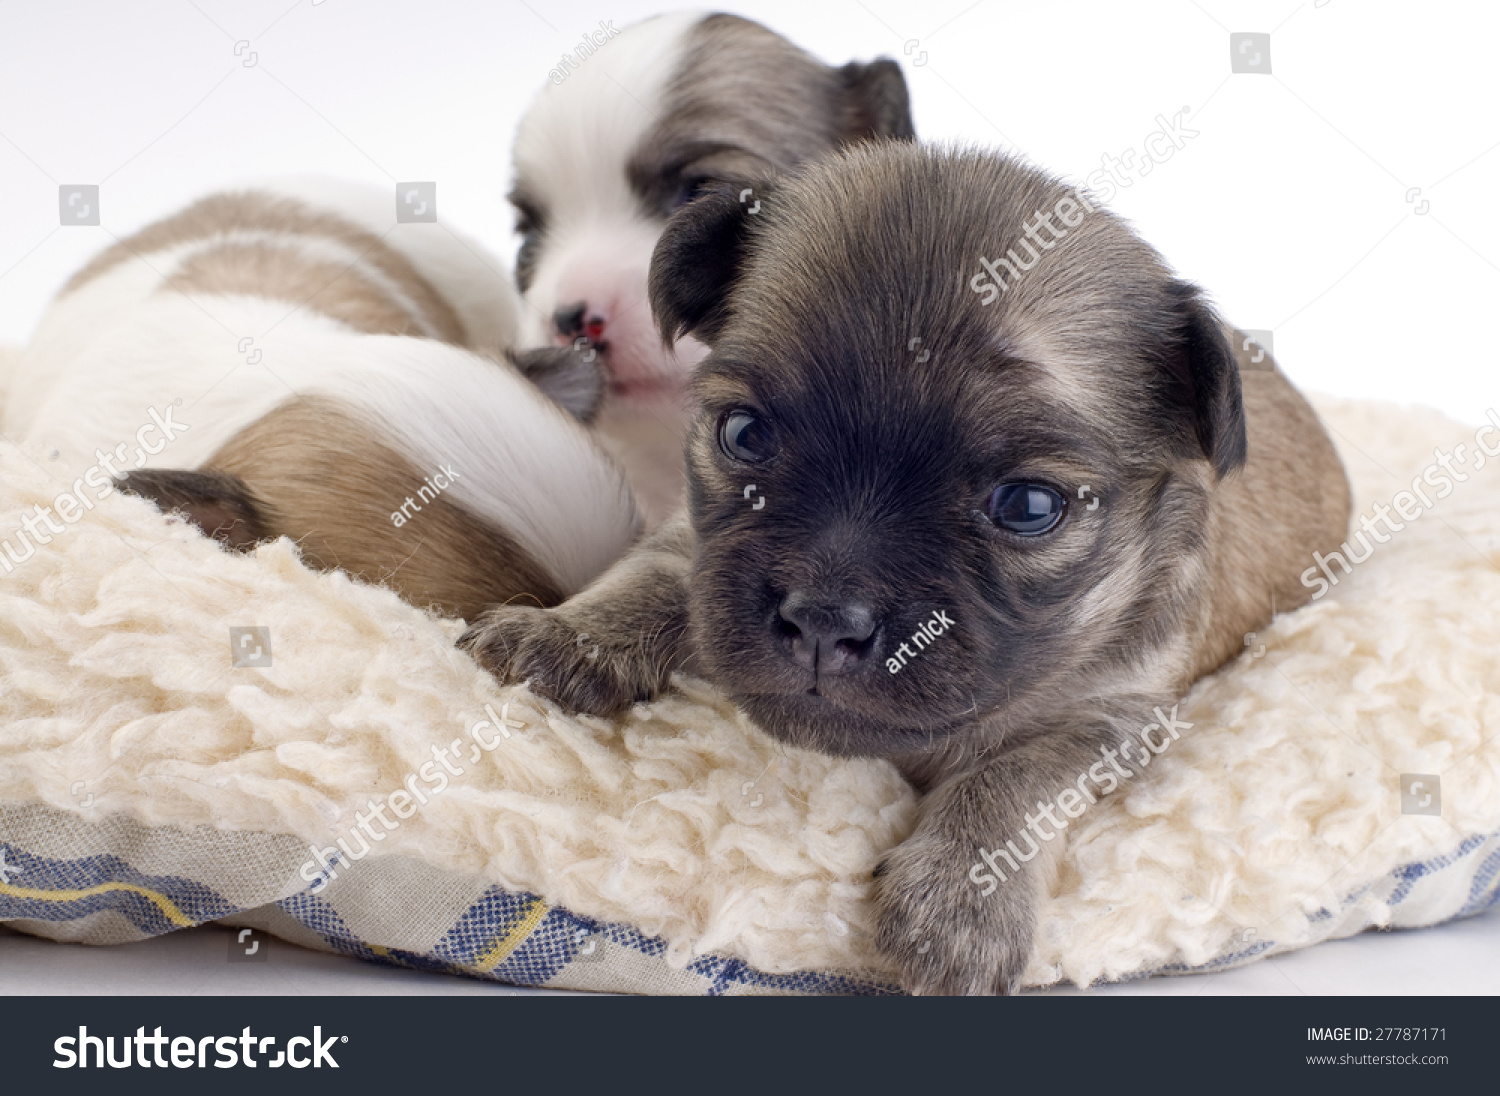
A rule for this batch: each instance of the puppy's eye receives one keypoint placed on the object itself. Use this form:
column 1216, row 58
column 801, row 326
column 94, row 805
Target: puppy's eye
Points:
column 689, row 188
column 745, row 437
column 1026, row 509
column 528, row 218
column 526, row 259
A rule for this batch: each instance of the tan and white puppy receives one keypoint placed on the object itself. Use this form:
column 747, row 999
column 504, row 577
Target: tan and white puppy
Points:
column 626, row 136
column 332, row 376
column 976, row 485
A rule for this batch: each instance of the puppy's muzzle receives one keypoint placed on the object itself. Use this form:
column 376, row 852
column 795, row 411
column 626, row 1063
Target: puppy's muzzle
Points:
column 831, row 638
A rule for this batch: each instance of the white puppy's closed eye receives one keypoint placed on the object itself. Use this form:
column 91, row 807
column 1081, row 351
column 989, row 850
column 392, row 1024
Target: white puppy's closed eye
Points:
column 621, row 138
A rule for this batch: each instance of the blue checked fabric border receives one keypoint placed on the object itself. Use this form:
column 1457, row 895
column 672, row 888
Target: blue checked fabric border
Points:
column 115, row 881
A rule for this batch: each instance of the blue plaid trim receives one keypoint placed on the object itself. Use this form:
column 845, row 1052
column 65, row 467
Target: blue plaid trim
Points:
column 1411, row 873
column 37, row 888
column 518, row 939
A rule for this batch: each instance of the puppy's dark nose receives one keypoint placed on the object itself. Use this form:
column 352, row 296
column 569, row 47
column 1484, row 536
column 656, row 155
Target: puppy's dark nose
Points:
column 572, row 320
column 830, row 637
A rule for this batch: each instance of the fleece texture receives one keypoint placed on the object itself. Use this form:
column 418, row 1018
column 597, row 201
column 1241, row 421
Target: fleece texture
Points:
column 1283, row 801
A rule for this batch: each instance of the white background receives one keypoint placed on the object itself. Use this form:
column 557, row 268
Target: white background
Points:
column 1290, row 207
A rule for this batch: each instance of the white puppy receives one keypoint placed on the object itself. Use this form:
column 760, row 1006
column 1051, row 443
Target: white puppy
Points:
column 333, row 376
column 617, row 142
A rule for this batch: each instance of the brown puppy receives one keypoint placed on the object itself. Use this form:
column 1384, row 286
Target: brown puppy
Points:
column 988, row 535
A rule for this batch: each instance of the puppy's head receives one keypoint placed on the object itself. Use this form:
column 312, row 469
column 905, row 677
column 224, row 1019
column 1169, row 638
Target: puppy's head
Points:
column 915, row 509
column 623, row 137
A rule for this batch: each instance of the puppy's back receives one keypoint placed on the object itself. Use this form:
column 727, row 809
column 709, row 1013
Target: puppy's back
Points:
column 192, row 300
column 321, row 383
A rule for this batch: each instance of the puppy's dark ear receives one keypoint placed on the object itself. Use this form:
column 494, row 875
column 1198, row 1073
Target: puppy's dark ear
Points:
column 1207, row 377
column 875, row 101
column 698, row 259
column 219, row 504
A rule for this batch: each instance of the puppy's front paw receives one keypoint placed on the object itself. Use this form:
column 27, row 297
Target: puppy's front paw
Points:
column 946, row 937
column 520, row 644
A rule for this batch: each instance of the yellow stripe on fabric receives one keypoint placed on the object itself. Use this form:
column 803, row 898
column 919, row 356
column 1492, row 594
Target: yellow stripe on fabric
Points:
column 500, row 950
column 165, row 904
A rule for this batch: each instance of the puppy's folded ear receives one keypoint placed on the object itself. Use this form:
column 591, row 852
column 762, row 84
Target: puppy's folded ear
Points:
column 698, row 259
column 219, row 504
column 876, row 103
column 1207, row 379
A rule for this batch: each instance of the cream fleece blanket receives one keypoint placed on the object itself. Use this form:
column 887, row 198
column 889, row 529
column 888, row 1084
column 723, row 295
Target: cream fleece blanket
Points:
column 1281, row 801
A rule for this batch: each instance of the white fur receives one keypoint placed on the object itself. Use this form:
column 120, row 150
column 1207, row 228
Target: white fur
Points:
column 458, row 268
column 572, row 148
column 107, row 355
column 464, row 273
column 522, row 462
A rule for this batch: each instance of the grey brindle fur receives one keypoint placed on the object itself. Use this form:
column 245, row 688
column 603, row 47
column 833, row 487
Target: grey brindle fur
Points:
column 1097, row 370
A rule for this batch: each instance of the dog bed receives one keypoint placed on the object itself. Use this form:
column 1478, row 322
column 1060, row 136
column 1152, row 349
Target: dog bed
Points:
column 188, row 735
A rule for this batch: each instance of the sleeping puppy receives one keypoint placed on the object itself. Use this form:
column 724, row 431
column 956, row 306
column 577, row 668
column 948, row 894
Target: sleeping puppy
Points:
column 985, row 535
column 626, row 136
column 336, row 378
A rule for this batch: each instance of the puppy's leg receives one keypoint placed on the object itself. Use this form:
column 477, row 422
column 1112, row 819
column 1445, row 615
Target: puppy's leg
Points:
column 216, row 502
column 611, row 644
column 947, row 934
